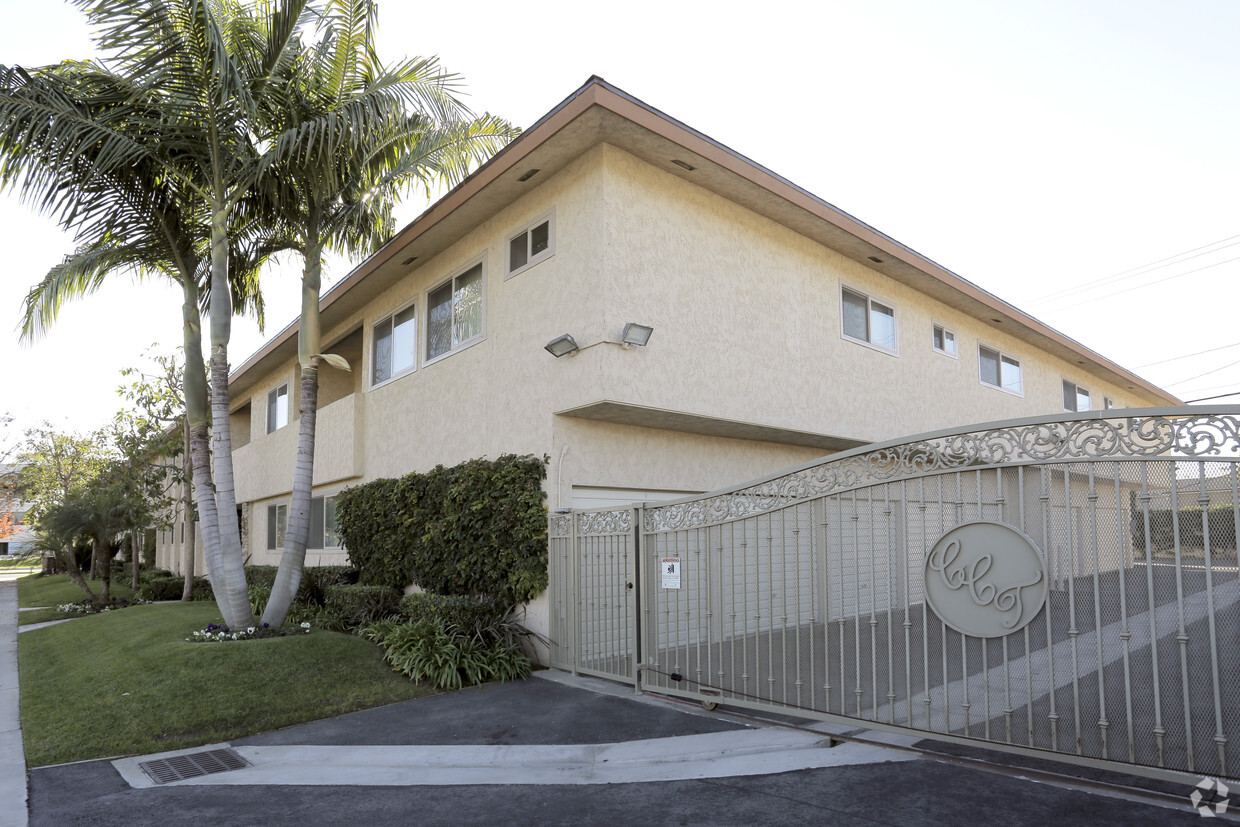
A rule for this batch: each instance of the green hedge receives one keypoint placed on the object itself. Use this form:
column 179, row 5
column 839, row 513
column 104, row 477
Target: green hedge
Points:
column 172, row 586
column 358, row 605
column 478, row 528
column 465, row 612
column 1221, row 522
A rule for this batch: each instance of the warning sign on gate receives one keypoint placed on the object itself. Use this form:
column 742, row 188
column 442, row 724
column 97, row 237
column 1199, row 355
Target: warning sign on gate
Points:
column 669, row 568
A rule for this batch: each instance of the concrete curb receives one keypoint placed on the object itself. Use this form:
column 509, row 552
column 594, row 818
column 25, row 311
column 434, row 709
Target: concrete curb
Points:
column 764, row 751
column 12, row 751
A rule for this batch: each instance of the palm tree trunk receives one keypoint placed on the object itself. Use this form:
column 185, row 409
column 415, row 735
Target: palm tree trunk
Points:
column 188, row 550
column 100, row 551
column 69, row 555
column 137, row 540
column 228, row 575
column 196, row 406
column 309, row 344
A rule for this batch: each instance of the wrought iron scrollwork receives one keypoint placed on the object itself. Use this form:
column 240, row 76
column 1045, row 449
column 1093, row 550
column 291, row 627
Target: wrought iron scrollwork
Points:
column 619, row 521
column 1190, row 437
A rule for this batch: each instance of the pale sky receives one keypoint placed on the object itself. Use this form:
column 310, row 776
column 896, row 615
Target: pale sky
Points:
column 1076, row 158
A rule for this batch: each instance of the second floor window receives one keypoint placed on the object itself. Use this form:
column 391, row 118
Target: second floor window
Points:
column 454, row 313
column 277, row 408
column 396, row 345
column 867, row 320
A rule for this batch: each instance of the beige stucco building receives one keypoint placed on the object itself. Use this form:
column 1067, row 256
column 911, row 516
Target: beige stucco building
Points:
column 783, row 329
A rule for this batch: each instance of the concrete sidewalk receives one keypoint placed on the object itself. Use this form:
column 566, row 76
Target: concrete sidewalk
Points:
column 12, row 752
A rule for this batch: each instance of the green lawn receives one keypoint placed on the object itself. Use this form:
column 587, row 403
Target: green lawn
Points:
column 34, row 590
column 11, row 562
column 126, row 682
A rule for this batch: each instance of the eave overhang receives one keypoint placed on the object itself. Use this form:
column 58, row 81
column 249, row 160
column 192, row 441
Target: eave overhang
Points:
column 601, row 113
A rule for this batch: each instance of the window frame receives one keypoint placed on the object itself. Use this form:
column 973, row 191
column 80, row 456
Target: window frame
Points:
column 456, row 347
column 531, row 260
column 272, row 396
column 1108, row 403
column 374, row 342
column 870, row 300
column 1077, row 392
column 319, row 533
column 946, row 331
column 1001, row 354
column 273, row 526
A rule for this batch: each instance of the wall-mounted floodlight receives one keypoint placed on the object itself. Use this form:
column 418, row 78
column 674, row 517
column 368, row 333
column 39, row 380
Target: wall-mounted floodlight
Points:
column 561, row 346
column 636, row 334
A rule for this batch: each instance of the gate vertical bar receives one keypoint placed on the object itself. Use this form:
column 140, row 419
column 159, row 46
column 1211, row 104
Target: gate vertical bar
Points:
column 639, row 603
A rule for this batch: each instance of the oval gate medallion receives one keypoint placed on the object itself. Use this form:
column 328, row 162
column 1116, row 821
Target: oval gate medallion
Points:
column 985, row 579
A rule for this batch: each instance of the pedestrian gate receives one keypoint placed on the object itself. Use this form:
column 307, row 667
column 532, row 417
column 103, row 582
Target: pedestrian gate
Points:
column 1057, row 585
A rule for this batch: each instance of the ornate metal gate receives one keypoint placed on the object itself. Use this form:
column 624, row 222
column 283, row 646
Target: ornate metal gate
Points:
column 1062, row 585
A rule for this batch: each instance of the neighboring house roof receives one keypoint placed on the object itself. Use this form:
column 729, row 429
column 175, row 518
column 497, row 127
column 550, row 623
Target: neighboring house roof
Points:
column 599, row 112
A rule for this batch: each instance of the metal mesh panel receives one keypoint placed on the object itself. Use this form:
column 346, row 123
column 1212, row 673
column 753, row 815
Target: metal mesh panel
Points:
column 809, row 592
column 820, row 606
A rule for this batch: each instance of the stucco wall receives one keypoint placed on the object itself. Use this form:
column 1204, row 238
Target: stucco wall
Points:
column 747, row 328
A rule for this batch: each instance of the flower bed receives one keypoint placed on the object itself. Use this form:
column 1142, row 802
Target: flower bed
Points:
column 215, row 633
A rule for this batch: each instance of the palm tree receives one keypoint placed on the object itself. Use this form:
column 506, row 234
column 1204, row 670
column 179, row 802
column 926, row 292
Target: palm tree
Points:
column 397, row 125
column 178, row 103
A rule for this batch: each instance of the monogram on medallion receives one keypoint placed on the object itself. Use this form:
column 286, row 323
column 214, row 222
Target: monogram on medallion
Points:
column 985, row 579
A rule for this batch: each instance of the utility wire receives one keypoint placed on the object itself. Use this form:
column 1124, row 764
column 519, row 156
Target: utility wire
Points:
column 1187, row 355
column 1132, row 272
column 1207, row 373
column 1140, row 286
column 1208, row 398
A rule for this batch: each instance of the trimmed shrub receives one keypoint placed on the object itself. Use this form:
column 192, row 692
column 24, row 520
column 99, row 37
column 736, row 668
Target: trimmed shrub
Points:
column 447, row 658
column 478, row 528
column 359, row 605
column 465, row 612
column 262, row 576
column 162, row 588
column 1220, row 520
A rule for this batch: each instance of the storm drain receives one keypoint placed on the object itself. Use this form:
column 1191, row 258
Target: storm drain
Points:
column 193, row 765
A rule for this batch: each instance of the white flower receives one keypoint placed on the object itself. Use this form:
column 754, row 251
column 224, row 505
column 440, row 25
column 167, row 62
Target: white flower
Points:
column 305, row 625
column 250, row 631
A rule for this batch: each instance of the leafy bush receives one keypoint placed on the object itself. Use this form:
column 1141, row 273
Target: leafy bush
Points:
column 463, row 611
column 478, row 528
column 162, row 588
column 172, row 586
column 1193, row 522
column 262, row 576
column 449, row 658
column 360, row 605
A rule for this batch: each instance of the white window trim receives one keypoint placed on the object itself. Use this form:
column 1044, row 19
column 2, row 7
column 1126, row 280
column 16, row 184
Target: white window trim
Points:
column 273, row 530
column 869, row 298
column 1002, row 354
column 287, row 406
column 426, row 313
column 417, row 346
column 946, row 330
column 1078, row 390
column 325, row 549
column 549, row 217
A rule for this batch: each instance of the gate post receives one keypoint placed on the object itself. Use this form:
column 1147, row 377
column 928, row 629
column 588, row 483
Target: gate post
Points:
column 574, row 589
column 638, row 599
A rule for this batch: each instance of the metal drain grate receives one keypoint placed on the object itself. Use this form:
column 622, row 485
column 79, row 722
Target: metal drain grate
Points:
column 193, row 765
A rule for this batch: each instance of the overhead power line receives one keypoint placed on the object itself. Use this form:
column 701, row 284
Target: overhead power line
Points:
column 1141, row 286
column 1208, row 398
column 1133, row 272
column 1187, row 355
column 1207, row 373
